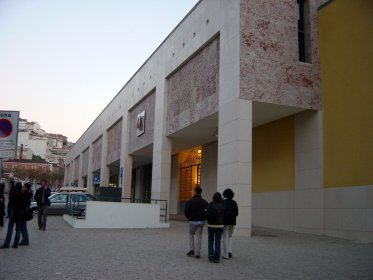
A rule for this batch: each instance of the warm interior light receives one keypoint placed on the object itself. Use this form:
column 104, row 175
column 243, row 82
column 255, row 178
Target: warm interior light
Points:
column 199, row 151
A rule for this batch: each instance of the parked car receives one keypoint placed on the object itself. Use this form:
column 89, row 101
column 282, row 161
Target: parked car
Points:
column 66, row 202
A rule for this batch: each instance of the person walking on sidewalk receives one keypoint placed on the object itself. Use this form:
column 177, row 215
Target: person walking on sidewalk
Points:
column 231, row 212
column 195, row 212
column 215, row 225
column 42, row 199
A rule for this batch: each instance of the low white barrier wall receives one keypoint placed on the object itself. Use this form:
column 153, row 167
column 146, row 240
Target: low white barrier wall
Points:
column 101, row 214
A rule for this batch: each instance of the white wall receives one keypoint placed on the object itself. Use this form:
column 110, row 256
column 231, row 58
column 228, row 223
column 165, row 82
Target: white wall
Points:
column 102, row 214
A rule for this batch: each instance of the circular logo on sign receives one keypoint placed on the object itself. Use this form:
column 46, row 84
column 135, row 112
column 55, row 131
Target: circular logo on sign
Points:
column 6, row 128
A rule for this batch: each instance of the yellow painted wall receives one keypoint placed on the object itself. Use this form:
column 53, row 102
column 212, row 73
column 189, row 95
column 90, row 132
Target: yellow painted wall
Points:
column 273, row 156
column 346, row 47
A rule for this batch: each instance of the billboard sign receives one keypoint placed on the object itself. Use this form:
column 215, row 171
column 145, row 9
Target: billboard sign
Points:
column 8, row 133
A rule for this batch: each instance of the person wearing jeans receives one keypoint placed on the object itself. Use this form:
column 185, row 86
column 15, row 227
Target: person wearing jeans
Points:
column 195, row 212
column 42, row 199
column 215, row 223
column 231, row 212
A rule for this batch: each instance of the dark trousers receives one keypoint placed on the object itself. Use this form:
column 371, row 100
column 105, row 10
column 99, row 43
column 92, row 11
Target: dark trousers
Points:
column 214, row 238
column 42, row 216
column 24, row 233
column 9, row 232
column 18, row 233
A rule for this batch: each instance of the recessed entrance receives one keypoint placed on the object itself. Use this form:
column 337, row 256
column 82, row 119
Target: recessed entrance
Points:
column 190, row 175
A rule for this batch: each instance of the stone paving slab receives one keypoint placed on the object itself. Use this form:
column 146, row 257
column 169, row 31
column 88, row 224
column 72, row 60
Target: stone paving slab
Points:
column 63, row 252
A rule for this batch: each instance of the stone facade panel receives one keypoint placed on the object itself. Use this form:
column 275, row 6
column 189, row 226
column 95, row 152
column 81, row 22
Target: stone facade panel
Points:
column 193, row 89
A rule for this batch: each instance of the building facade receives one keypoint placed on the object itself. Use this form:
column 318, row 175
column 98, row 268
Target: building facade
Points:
column 231, row 98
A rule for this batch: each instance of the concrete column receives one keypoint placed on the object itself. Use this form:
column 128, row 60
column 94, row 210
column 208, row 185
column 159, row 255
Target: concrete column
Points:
column 235, row 123
column 104, row 172
column 80, row 171
column 125, row 160
column 72, row 173
column 161, row 177
column 235, row 158
column 89, row 172
column 66, row 177
column 309, row 191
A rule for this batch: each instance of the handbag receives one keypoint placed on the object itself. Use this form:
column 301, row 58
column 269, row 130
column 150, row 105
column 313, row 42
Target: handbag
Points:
column 28, row 215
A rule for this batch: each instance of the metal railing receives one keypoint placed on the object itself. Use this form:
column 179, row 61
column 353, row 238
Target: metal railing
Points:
column 76, row 209
column 162, row 202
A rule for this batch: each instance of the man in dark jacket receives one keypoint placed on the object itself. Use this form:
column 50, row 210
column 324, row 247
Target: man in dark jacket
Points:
column 42, row 199
column 195, row 213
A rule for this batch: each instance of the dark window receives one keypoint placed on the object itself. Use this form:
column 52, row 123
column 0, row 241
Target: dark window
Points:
column 304, row 32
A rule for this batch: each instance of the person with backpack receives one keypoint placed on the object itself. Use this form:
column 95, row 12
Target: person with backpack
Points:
column 231, row 212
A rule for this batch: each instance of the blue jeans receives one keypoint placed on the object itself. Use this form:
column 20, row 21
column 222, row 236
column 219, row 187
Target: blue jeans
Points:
column 24, row 233
column 18, row 233
column 214, row 238
column 9, row 232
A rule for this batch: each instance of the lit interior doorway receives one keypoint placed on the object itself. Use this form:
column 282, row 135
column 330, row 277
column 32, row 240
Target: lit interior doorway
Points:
column 190, row 175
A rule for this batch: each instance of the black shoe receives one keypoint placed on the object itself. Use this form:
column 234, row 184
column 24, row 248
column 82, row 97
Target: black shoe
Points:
column 211, row 259
column 4, row 247
column 216, row 260
column 14, row 246
column 23, row 244
column 190, row 253
column 43, row 229
column 230, row 255
column 197, row 256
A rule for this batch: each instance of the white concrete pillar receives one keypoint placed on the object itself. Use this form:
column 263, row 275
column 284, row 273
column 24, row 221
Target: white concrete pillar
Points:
column 125, row 160
column 89, row 172
column 66, row 177
column 80, row 171
column 72, row 173
column 309, row 191
column 161, row 176
column 104, row 172
column 235, row 158
column 235, row 123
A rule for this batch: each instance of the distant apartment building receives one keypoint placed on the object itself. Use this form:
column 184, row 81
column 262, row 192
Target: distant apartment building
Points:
column 34, row 142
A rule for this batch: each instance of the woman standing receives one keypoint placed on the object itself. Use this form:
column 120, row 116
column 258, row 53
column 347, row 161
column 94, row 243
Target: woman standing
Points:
column 231, row 212
column 27, row 193
column 215, row 225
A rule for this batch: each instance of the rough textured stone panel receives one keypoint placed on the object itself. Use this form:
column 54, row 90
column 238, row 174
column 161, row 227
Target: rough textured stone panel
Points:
column 269, row 64
column 193, row 90
column 114, row 142
column 97, row 153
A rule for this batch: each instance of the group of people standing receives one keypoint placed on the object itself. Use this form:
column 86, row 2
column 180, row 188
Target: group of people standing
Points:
column 18, row 211
column 220, row 215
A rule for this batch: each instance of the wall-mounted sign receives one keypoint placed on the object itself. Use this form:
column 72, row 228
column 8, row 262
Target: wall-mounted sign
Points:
column 8, row 133
column 140, row 124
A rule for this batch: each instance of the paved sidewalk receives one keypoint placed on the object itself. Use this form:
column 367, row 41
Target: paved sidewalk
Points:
column 62, row 252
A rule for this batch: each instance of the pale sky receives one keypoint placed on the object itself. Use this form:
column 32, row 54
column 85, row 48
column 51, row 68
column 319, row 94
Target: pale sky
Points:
column 63, row 61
